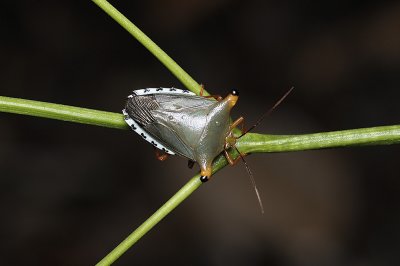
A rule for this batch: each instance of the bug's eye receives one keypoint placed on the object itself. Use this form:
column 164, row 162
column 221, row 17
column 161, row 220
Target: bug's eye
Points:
column 235, row 92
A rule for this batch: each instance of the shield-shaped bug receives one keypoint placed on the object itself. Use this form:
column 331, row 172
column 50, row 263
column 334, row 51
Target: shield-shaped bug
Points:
column 180, row 122
column 195, row 127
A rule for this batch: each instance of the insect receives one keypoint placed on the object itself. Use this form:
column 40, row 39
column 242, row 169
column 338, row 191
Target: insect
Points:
column 195, row 127
column 180, row 122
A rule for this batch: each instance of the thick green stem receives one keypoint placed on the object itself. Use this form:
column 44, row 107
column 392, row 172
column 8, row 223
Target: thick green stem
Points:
column 167, row 61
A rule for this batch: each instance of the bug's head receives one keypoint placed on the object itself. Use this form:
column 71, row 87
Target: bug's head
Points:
column 232, row 97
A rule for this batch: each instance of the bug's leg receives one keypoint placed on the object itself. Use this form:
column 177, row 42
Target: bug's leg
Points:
column 190, row 164
column 237, row 122
column 229, row 158
column 243, row 126
column 159, row 156
column 216, row 97
column 202, row 89
column 230, row 140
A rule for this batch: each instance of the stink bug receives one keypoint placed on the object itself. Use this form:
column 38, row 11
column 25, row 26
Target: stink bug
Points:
column 195, row 127
column 180, row 122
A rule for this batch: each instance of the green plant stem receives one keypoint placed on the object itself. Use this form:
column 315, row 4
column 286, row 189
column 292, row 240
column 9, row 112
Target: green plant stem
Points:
column 250, row 143
column 165, row 209
column 191, row 186
column 167, row 61
column 62, row 112
column 256, row 143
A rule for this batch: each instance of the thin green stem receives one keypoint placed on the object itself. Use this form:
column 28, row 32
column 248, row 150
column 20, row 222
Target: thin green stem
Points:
column 250, row 143
column 167, row 61
column 165, row 209
column 191, row 186
column 62, row 112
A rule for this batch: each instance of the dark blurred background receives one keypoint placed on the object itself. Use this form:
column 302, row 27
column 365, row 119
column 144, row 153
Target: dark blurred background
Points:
column 69, row 193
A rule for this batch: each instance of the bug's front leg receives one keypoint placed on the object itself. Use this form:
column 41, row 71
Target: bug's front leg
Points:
column 230, row 140
column 216, row 97
column 237, row 122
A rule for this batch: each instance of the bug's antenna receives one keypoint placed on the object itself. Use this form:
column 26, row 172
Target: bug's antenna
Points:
column 267, row 112
column 253, row 182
